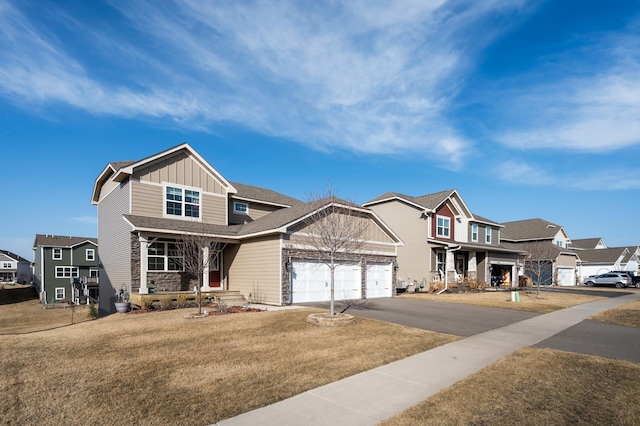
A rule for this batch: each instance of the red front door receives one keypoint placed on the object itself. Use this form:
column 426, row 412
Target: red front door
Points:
column 214, row 279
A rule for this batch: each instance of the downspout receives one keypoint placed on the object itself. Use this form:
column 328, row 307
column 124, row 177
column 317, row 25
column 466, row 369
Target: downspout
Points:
column 446, row 262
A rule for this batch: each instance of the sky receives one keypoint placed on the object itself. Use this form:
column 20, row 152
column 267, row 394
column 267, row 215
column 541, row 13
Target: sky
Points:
column 530, row 109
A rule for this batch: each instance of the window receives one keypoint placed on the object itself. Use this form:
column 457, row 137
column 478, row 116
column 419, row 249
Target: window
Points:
column 487, row 237
column 57, row 253
column 6, row 265
column 559, row 243
column 59, row 293
column 443, row 226
column 440, row 261
column 91, row 254
column 242, row 208
column 474, row 232
column 182, row 202
column 66, row 271
column 93, row 272
column 164, row 256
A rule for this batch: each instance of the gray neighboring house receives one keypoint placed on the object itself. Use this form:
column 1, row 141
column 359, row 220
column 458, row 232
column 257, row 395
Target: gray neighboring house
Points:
column 443, row 240
column 146, row 206
column 548, row 242
column 57, row 260
column 14, row 268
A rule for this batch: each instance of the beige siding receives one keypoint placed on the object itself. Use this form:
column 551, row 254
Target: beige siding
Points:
column 148, row 200
column 181, row 169
column 253, row 268
column 565, row 260
column 302, row 241
column 412, row 228
column 114, row 239
column 108, row 186
column 256, row 211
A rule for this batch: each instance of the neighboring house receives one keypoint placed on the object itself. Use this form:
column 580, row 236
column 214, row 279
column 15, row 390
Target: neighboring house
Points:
column 14, row 268
column 58, row 260
column 443, row 240
column 547, row 243
column 146, row 206
column 587, row 244
column 599, row 261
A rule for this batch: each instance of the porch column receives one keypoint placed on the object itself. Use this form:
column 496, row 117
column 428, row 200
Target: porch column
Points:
column 472, row 267
column 205, row 272
column 144, row 264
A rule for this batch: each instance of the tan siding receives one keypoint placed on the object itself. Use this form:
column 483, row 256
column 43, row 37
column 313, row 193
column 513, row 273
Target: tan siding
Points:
column 566, row 260
column 214, row 209
column 256, row 211
column 115, row 246
column 108, row 186
column 146, row 200
column 180, row 169
column 407, row 222
column 254, row 268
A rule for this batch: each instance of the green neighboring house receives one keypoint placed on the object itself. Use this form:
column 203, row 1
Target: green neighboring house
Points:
column 58, row 260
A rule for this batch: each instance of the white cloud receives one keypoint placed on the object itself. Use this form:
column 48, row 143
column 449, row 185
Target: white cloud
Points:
column 367, row 77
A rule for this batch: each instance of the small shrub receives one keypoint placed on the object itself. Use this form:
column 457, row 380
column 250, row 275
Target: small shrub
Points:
column 436, row 286
column 182, row 301
column 221, row 307
column 166, row 303
column 146, row 303
column 92, row 313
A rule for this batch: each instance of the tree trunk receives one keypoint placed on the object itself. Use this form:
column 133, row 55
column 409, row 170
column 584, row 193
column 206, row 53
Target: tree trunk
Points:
column 333, row 270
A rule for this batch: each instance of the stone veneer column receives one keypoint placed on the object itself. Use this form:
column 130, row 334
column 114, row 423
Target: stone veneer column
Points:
column 144, row 264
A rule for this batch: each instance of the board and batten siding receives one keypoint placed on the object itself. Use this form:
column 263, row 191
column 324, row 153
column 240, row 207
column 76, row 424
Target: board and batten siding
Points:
column 412, row 227
column 114, row 236
column 254, row 269
column 148, row 200
column 181, row 169
column 256, row 211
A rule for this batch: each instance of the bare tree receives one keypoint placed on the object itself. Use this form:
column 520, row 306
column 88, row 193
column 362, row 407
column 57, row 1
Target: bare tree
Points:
column 195, row 253
column 538, row 262
column 336, row 231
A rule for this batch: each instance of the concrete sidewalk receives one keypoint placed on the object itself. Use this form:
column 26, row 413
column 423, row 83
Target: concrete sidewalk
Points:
column 375, row 395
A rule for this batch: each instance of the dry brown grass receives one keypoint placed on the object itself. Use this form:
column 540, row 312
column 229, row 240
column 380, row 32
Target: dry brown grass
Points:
column 547, row 302
column 159, row 368
column 30, row 316
column 536, row 387
column 628, row 314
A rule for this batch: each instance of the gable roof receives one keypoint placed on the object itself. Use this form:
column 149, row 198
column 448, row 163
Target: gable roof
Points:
column 120, row 171
column 540, row 248
column 13, row 256
column 428, row 202
column 46, row 240
column 586, row 243
column 263, row 195
column 608, row 255
column 529, row 229
column 481, row 219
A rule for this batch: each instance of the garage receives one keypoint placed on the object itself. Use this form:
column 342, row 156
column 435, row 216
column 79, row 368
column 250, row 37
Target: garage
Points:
column 379, row 280
column 566, row 276
column 311, row 282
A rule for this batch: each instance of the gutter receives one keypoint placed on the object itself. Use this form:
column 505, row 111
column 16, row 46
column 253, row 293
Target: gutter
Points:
column 449, row 249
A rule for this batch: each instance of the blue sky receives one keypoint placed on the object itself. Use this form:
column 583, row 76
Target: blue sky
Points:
column 528, row 108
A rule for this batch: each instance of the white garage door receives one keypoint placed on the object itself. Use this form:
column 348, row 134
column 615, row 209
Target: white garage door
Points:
column 378, row 280
column 566, row 276
column 311, row 282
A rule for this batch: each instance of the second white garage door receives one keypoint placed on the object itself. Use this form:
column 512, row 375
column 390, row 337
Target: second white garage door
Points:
column 379, row 280
column 566, row 276
column 311, row 282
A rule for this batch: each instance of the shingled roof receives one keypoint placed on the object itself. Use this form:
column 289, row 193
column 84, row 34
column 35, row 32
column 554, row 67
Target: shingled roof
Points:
column 429, row 201
column 47, row 240
column 13, row 256
column 585, row 243
column 529, row 229
column 255, row 193
column 608, row 255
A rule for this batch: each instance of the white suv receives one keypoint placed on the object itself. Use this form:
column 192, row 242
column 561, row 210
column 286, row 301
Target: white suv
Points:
column 610, row 278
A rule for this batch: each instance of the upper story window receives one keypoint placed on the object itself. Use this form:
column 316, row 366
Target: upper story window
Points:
column 91, row 254
column 559, row 243
column 474, row 232
column 7, row 265
column 443, row 228
column 182, row 202
column 66, row 271
column 56, row 253
column 487, row 235
column 242, row 208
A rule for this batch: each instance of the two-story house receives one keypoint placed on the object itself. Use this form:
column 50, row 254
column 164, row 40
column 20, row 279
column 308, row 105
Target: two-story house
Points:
column 546, row 245
column 145, row 207
column 57, row 260
column 14, row 268
column 443, row 240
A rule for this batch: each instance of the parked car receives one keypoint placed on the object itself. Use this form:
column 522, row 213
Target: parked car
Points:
column 618, row 279
column 635, row 279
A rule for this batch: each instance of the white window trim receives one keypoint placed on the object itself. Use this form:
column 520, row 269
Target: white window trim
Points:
column 448, row 228
column 93, row 255
column 63, row 293
column 474, row 232
column 7, row 265
column 61, row 272
column 182, row 215
column 235, row 208
column 165, row 257
column 53, row 253
column 487, row 235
